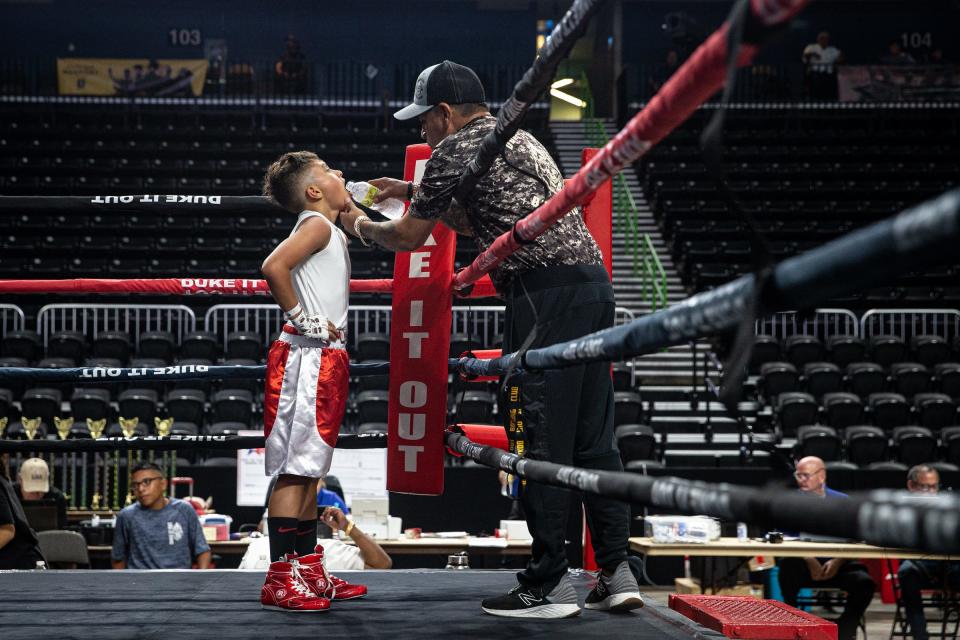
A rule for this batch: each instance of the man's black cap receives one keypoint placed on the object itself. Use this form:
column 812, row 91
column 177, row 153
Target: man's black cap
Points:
column 445, row 82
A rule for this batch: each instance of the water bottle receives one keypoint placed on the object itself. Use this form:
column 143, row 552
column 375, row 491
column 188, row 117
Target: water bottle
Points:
column 742, row 534
column 364, row 192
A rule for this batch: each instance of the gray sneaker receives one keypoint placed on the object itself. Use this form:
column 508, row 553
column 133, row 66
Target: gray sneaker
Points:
column 531, row 602
column 619, row 592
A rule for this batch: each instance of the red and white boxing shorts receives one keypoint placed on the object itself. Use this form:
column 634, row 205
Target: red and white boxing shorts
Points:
column 305, row 397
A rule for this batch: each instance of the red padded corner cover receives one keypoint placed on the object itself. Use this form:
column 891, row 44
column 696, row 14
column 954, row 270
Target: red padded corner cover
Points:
column 746, row 617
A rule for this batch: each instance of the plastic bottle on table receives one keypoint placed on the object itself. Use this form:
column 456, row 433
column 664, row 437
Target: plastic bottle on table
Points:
column 364, row 192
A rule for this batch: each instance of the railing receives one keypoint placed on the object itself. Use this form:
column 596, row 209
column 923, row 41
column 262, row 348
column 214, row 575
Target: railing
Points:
column 11, row 318
column 134, row 319
column 907, row 323
column 646, row 262
column 822, row 323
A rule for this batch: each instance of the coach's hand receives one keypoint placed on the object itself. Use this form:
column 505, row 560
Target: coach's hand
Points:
column 389, row 188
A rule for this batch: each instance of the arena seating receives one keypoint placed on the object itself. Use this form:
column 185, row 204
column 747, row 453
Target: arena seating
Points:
column 806, row 177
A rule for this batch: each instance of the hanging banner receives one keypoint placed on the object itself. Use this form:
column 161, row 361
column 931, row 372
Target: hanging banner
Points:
column 419, row 346
column 130, row 77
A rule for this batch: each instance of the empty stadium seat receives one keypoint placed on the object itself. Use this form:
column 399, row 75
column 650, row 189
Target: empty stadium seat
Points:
column 244, row 345
column 16, row 431
column 159, row 345
column 636, row 442
column 885, row 350
column 801, row 349
column 201, row 384
column 794, row 410
column 140, row 403
column 777, row 378
column 889, row 410
column 930, row 350
column 914, row 445
column 622, row 376
column 950, row 440
column 373, row 346
column 934, row 410
column 865, row 444
column 42, row 402
column 765, row 349
column 842, row 409
column 947, row 379
column 199, row 345
column 821, row 378
column 475, row 407
column 818, row 440
column 21, row 344
column 866, row 378
column 185, row 405
column 90, row 403
column 372, row 406
column 909, row 378
column 627, row 407
column 842, row 350
column 232, row 405
column 113, row 344
column 67, row 344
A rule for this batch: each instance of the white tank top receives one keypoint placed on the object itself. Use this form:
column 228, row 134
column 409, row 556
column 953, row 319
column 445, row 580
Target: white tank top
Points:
column 322, row 281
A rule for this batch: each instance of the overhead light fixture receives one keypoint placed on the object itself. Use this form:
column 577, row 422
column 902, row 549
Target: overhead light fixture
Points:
column 562, row 82
column 566, row 97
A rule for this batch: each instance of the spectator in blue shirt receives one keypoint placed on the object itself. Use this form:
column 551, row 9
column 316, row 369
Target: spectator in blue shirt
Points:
column 157, row 532
column 328, row 498
column 916, row 575
column 852, row 577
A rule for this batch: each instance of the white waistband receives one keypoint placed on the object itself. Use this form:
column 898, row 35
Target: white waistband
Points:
column 304, row 341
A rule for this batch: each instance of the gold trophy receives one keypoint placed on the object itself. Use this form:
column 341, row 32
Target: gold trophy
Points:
column 3, row 424
column 63, row 430
column 63, row 426
column 163, row 426
column 96, row 427
column 129, row 429
column 163, row 430
column 30, row 427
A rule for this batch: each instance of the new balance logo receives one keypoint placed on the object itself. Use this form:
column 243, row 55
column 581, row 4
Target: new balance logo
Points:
column 528, row 599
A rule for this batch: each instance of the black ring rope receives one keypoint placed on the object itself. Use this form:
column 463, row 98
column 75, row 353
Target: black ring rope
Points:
column 883, row 518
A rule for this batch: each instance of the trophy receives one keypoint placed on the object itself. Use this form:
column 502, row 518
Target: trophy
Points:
column 63, row 431
column 129, row 429
column 96, row 428
column 3, row 424
column 31, row 426
column 163, row 430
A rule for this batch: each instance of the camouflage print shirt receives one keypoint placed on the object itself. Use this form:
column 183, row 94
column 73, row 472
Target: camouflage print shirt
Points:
column 518, row 182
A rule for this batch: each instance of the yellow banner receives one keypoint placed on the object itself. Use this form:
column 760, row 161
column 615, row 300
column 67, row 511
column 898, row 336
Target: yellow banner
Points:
column 130, row 77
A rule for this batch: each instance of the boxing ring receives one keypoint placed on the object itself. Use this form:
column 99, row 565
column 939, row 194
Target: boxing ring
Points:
column 193, row 604
column 217, row 603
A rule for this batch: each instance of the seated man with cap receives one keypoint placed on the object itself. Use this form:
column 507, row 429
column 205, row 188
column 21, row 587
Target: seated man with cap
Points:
column 852, row 577
column 34, row 487
column 19, row 546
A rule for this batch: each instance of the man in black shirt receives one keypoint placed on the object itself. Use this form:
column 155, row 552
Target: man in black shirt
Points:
column 556, row 289
column 19, row 547
column 34, row 486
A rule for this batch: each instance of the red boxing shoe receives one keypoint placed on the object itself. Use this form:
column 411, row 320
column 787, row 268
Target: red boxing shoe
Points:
column 320, row 580
column 285, row 590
